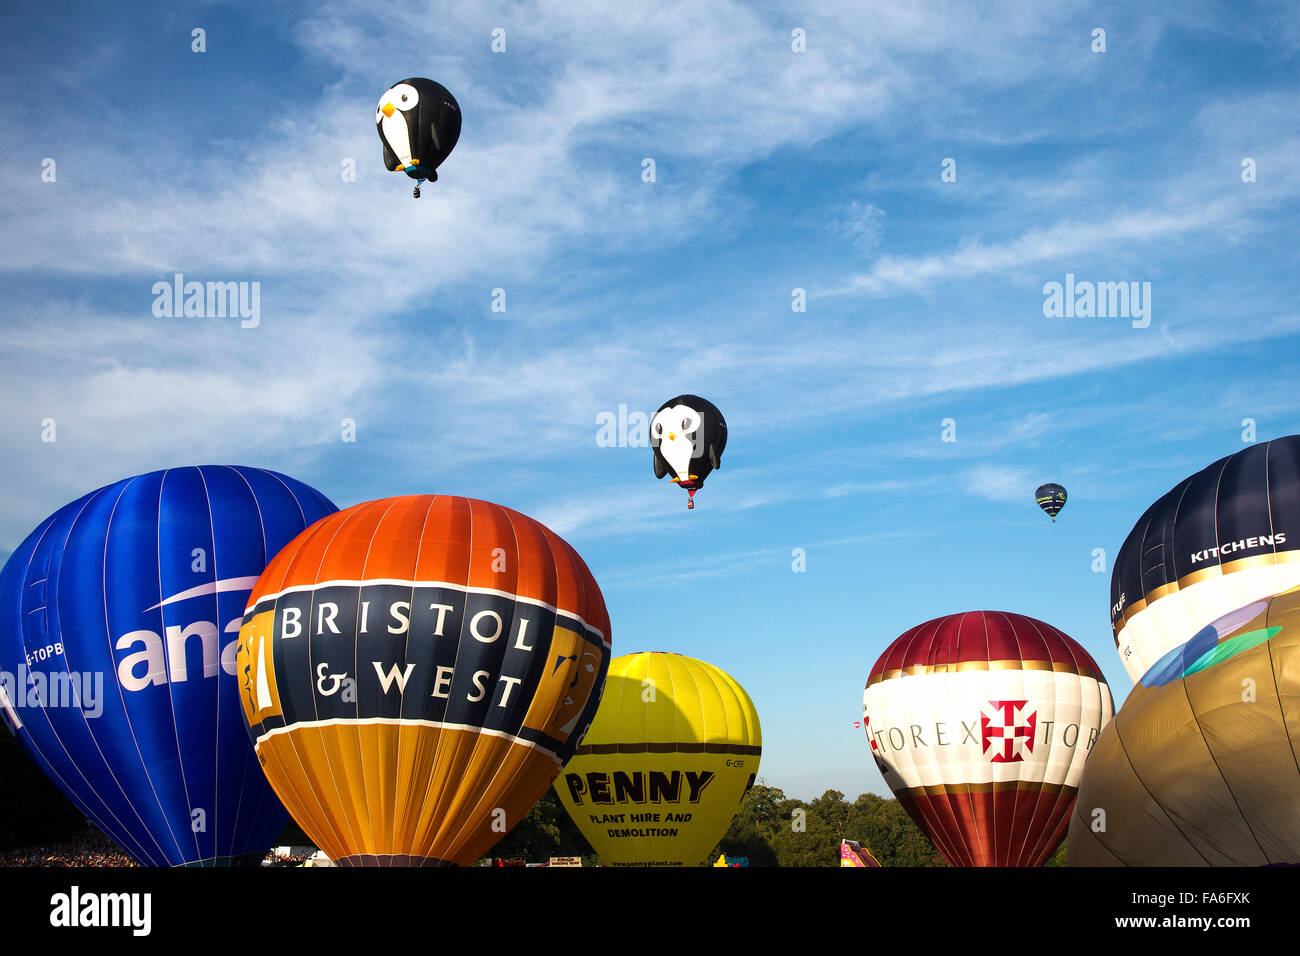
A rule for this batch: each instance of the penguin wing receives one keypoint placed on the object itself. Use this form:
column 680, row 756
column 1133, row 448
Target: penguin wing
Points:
column 390, row 158
column 661, row 466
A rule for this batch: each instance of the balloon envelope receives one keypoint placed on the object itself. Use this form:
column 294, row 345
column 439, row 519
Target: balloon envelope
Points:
column 1199, row 766
column 1220, row 539
column 980, row 723
column 1051, row 498
column 855, row 855
column 416, row 671
column 419, row 124
column 120, row 612
column 687, row 438
column 667, row 763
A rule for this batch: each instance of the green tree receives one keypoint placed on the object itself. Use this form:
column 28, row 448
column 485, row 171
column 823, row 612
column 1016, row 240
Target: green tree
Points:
column 544, row 832
column 750, row 833
column 883, row 826
column 1058, row 858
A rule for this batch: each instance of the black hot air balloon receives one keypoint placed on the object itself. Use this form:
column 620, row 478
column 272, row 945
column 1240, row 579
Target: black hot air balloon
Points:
column 687, row 436
column 1051, row 498
column 419, row 123
column 1218, row 540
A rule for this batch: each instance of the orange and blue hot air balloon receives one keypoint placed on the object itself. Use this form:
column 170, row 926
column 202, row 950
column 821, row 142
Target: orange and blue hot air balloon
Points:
column 119, row 618
column 415, row 672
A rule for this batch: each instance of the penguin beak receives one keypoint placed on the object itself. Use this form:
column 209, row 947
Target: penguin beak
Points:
column 672, row 436
column 387, row 109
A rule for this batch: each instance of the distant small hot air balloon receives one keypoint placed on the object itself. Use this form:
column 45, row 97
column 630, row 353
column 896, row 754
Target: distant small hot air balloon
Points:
column 1199, row 766
column 687, row 437
column 415, row 672
column 1219, row 539
column 980, row 723
column 419, row 124
column 1051, row 498
column 120, row 613
column 666, row 764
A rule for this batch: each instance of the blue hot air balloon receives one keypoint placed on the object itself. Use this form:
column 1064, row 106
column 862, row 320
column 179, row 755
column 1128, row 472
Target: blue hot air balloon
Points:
column 119, row 619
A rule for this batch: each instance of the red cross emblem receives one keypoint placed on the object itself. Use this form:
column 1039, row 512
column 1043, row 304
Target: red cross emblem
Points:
column 1007, row 731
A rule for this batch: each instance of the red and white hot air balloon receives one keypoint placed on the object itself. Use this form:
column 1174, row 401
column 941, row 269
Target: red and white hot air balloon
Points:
column 980, row 723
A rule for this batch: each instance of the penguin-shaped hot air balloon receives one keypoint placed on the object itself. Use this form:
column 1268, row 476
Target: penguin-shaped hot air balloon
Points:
column 1051, row 498
column 687, row 437
column 419, row 123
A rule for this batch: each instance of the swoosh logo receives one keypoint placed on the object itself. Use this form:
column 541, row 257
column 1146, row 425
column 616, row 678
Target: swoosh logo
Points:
column 211, row 587
column 8, row 709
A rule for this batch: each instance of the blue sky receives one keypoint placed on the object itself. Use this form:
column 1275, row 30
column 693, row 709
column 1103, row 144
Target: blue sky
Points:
column 775, row 170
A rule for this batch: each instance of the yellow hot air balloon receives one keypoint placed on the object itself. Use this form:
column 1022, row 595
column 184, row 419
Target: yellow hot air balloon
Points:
column 672, row 751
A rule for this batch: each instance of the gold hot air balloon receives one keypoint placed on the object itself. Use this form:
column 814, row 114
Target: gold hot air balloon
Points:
column 415, row 671
column 1199, row 768
column 666, row 764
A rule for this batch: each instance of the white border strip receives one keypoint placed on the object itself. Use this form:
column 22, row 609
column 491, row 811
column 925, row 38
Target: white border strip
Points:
column 463, row 588
column 396, row 721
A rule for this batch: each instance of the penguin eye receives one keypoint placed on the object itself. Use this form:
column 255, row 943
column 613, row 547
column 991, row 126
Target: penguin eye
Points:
column 686, row 424
column 659, row 428
column 405, row 97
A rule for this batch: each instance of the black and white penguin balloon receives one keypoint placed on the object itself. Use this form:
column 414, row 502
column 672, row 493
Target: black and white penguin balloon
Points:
column 418, row 122
column 687, row 436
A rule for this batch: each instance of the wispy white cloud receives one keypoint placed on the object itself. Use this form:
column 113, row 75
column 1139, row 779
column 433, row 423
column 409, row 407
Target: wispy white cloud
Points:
column 1001, row 482
column 893, row 275
column 544, row 191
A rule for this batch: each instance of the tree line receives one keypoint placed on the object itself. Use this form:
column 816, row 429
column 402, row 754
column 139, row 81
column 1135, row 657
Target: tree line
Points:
column 771, row 829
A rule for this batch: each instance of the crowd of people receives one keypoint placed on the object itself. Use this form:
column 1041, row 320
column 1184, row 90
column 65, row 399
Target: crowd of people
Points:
column 92, row 848
column 89, row 848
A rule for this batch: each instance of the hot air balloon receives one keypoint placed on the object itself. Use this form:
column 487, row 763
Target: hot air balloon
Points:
column 416, row 671
column 980, row 723
column 119, row 617
column 667, row 763
column 419, row 123
column 855, row 854
column 1051, row 498
column 1199, row 766
column 687, row 438
column 1220, row 539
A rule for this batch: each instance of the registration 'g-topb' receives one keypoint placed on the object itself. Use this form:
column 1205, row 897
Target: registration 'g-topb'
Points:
column 415, row 671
